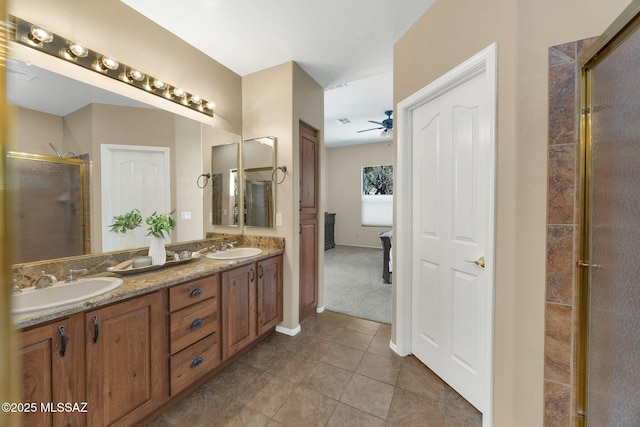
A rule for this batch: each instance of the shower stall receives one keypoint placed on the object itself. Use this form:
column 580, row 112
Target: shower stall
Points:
column 49, row 206
column 609, row 268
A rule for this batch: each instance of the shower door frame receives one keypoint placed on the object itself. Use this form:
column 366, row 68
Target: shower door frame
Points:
column 627, row 23
column 84, row 188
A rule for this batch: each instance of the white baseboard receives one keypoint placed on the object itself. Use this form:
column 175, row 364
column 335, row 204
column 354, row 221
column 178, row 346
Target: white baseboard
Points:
column 287, row 331
column 359, row 246
column 393, row 347
column 320, row 309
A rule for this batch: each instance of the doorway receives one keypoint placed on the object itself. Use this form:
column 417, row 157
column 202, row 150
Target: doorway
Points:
column 308, row 220
column 445, row 227
column 132, row 177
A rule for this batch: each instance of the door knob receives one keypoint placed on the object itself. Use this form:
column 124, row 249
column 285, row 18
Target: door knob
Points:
column 479, row 262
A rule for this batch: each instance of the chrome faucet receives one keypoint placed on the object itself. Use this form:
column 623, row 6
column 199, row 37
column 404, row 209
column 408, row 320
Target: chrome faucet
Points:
column 16, row 289
column 50, row 277
column 227, row 245
column 72, row 275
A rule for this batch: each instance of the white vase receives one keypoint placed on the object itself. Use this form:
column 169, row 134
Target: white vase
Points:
column 128, row 240
column 157, row 251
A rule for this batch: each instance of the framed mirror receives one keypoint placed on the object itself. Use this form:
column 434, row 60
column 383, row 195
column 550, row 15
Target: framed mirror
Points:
column 259, row 189
column 63, row 118
column 225, row 193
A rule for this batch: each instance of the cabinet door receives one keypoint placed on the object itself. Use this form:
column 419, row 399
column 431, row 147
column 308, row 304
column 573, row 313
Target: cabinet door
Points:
column 269, row 293
column 52, row 357
column 127, row 362
column 308, row 267
column 238, row 309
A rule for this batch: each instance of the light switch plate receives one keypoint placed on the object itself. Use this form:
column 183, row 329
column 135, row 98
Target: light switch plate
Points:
column 278, row 220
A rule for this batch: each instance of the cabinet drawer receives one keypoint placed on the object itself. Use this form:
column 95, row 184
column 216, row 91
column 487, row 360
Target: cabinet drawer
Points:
column 192, row 292
column 193, row 323
column 194, row 362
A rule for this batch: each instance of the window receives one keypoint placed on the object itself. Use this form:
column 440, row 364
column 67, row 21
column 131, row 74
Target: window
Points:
column 377, row 196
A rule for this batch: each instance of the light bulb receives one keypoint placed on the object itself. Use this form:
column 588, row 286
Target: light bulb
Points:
column 110, row 63
column 159, row 84
column 40, row 34
column 78, row 50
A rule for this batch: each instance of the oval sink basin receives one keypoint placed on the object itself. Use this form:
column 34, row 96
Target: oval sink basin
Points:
column 61, row 293
column 236, row 253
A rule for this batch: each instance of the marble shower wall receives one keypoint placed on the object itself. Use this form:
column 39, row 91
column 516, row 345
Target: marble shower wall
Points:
column 561, row 306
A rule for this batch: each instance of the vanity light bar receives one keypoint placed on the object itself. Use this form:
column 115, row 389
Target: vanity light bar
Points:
column 43, row 40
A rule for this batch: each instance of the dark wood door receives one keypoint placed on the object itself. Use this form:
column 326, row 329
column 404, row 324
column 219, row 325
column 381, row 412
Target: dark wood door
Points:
column 52, row 357
column 269, row 293
column 238, row 309
column 127, row 367
column 308, row 220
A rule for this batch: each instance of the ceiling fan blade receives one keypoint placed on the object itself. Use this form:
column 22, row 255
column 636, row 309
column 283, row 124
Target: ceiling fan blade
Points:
column 367, row 130
column 376, row 123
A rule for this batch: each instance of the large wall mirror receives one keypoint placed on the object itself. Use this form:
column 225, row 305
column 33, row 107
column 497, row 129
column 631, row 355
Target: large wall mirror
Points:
column 225, row 193
column 56, row 117
column 259, row 190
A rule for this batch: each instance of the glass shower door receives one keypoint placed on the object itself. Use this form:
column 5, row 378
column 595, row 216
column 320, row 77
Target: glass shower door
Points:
column 48, row 203
column 613, row 176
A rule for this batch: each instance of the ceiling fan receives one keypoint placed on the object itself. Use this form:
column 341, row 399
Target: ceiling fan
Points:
column 386, row 124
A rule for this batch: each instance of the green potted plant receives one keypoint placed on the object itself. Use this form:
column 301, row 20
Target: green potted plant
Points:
column 158, row 225
column 124, row 224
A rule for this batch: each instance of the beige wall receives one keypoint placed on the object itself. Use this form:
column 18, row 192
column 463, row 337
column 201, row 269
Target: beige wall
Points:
column 274, row 101
column 449, row 33
column 343, row 177
column 33, row 131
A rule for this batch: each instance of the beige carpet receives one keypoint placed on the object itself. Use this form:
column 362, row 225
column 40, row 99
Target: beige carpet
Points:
column 353, row 283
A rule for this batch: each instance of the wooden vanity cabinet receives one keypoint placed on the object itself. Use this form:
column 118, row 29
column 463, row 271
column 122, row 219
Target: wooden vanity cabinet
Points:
column 269, row 294
column 194, row 327
column 251, row 303
column 238, row 309
column 126, row 360
column 52, row 358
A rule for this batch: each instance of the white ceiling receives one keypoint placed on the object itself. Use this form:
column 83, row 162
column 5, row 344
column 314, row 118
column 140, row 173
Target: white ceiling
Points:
column 38, row 89
column 346, row 46
column 334, row 41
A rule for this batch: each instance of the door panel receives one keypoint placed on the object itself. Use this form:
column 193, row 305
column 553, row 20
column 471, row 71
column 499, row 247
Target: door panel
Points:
column 613, row 368
column 133, row 178
column 308, row 220
column 451, row 201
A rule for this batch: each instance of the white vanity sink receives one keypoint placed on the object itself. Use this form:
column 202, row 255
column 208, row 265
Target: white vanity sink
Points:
column 236, row 253
column 61, row 293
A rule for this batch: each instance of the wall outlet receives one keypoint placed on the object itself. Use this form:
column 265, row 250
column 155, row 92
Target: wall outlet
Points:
column 185, row 215
column 278, row 220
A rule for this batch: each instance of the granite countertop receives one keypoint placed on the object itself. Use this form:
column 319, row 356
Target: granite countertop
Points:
column 140, row 284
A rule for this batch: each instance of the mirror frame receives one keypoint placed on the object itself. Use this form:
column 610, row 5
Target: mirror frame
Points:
column 238, row 189
column 273, row 143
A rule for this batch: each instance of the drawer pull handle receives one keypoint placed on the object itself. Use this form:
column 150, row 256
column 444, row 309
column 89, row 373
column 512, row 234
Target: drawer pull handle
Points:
column 195, row 293
column 63, row 341
column 96, row 329
column 261, row 271
column 196, row 323
column 253, row 274
column 196, row 361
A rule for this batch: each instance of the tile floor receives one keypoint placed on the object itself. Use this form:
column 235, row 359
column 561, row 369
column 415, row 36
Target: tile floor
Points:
column 338, row 371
